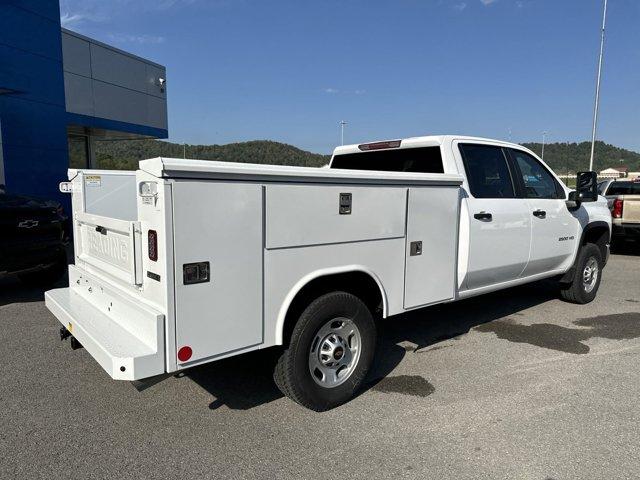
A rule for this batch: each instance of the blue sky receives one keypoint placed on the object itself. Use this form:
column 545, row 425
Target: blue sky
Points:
column 291, row 70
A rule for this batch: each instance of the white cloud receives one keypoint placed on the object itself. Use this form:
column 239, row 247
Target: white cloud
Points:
column 127, row 38
column 330, row 90
column 488, row 2
column 460, row 6
column 68, row 20
column 360, row 92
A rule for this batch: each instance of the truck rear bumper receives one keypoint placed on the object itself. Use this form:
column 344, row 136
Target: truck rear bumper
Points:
column 125, row 338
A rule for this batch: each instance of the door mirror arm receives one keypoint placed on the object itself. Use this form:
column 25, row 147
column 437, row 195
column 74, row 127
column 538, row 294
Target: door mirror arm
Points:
column 573, row 202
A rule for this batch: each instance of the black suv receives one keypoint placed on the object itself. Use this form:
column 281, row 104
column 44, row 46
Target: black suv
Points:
column 34, row 234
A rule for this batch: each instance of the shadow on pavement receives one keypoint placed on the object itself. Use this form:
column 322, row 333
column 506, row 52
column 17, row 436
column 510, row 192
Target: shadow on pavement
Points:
column 245, row 381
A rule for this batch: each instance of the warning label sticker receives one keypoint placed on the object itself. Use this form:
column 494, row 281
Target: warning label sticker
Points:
column 93, row 180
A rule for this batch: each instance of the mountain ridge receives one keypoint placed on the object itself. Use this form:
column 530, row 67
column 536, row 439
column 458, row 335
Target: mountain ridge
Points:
column 562, row 157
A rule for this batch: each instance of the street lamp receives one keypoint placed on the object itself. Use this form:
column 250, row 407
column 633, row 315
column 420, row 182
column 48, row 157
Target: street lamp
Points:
column 342, row 124
column 544, row 138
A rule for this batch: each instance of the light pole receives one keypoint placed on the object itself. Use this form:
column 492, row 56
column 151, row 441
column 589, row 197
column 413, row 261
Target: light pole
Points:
column 342, row 124
column 597, row 100
column 544, row 138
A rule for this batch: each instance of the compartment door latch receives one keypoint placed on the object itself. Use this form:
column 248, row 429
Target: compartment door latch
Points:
column 345, row 204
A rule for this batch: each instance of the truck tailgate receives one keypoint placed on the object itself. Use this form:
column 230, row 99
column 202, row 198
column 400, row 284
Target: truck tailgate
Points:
column 631, row 209
column 110, row 245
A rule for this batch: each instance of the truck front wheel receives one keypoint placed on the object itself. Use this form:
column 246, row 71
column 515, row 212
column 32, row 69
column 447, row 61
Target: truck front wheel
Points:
column 330, row 352
column 585, row 283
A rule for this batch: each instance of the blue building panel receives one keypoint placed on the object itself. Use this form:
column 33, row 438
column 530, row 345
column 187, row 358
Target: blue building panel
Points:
column 116, row 126
column 30, row 32
column 45, row 8
column 33, row 77
column 35, row 171
column 36, row 124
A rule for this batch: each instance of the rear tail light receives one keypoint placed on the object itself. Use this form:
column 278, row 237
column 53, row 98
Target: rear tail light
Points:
column 616, row 211
column 153, row 245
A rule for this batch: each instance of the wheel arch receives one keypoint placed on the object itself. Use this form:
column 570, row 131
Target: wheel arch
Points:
column 598, row 233
column 356, row 279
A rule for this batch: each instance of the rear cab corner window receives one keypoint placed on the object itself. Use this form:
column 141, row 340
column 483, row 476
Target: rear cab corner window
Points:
column 488, row 172
column 415, row 160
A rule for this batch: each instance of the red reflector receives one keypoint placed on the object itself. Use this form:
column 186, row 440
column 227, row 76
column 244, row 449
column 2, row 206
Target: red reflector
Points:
column 184, row 354
column 379, row 145
column 616, row 211
column 153, row 245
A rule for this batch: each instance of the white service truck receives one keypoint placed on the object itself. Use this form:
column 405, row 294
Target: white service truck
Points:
column 185, row 262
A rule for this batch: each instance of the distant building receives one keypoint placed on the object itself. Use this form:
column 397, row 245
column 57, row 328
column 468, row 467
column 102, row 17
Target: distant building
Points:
column 614, row 172
column 60, row 92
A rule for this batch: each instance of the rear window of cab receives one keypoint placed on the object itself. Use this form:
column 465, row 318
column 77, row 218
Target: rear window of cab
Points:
column 415, row 160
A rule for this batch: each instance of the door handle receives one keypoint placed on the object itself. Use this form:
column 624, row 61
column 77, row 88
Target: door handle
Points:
column 482, row 216
column 540, row 213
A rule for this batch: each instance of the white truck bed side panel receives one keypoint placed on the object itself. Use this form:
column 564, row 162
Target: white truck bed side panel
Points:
column 220, row 223
column 289, row 269
column 432, row 220
column 299, row 215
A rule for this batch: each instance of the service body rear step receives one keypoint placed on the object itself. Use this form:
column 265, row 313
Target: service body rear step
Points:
column 125, row 337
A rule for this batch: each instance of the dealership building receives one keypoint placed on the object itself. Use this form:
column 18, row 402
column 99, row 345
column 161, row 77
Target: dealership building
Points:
column 61, row 92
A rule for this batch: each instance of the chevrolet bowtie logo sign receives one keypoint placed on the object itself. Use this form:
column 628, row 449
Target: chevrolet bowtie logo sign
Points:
column 28, row 224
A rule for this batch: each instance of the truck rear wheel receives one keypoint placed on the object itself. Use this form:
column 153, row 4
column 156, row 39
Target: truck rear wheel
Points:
column 586, row 281
column 330, row 352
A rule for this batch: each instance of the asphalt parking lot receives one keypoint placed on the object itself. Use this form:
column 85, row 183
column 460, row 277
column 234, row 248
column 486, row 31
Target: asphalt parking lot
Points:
column 516, row 384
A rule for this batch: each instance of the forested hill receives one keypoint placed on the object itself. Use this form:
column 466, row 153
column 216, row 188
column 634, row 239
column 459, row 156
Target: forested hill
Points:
column 124, row 155
column 573, row 157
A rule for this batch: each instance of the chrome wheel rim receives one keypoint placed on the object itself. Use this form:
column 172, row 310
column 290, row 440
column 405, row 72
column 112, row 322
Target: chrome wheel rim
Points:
column 334, row 352
column 590, row 274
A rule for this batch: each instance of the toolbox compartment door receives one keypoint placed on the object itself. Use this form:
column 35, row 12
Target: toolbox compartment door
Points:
column 219, row 224
column 431, row 248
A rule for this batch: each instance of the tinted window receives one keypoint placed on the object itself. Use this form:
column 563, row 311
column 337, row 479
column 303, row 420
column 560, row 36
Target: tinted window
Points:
column 420, row 160
column 538, row 182
column 624, row 188
column 487, row 171
column 601, row 187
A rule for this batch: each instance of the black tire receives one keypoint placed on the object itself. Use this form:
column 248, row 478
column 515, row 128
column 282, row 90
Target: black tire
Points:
column 578, row 291
column 47, row 276
column 293, row 374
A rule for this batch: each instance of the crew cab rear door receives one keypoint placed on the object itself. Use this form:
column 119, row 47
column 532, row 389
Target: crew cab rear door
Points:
column 499, row 223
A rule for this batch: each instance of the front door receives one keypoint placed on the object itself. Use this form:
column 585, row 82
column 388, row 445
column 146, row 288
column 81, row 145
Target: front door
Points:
column 554, row 228
column 499, row 222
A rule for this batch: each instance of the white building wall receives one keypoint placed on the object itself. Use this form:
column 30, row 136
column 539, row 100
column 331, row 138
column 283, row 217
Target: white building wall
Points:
column 102, row 81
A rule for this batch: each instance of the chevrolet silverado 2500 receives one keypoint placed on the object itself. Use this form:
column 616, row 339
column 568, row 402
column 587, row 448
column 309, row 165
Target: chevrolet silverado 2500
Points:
column 185, row 262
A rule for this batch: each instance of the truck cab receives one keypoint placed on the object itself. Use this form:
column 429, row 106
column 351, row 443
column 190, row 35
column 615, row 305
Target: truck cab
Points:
column 517, row 223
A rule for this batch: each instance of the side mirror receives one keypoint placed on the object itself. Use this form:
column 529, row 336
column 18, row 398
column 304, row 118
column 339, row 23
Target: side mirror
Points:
column 586, row 187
